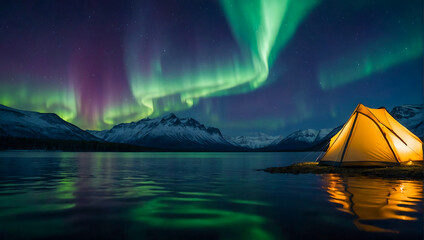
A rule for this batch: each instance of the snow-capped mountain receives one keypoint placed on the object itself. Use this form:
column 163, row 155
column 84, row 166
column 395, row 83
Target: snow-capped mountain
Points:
column 254, row 140
column 26, row 124
column 168, row 132
column 412, row 117
column 301, row 140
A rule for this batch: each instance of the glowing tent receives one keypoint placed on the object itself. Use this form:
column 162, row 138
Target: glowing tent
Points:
column 372, row 137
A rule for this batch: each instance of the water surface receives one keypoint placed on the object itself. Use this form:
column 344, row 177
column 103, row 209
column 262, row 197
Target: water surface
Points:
column 51, row 195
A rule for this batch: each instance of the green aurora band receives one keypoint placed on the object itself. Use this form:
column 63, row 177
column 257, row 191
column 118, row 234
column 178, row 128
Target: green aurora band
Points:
column 394, row 48
column 53, row 98
column 262, row 29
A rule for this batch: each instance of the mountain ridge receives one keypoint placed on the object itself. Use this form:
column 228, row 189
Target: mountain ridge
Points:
column 170, row 133
column 29, row 124
column 254, row 141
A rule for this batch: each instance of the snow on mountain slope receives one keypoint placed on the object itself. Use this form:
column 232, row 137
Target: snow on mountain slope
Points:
column 300, row 140
column 254, row 140
column 412, row 117
column 308, row 135
column 169, row 132
column 26, row 124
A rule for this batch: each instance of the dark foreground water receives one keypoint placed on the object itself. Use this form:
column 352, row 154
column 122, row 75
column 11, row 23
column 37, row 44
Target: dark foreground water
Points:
column 53, row 195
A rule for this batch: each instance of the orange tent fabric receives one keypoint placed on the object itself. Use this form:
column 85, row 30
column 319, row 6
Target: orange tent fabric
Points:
column 372, row 137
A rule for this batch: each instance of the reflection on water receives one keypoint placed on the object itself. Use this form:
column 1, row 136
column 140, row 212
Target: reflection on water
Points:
column 194, row 196
column 72, row 193
column 375, row 199
column 27, row 199
column 202, row 211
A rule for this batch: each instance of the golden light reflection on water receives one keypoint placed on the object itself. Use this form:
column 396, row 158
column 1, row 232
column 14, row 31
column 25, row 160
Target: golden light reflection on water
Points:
column 371, row 200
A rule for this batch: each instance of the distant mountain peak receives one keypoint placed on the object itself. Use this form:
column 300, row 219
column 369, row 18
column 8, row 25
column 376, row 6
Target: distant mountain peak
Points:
column 192, row 123
column 213, row 130
column 411, row 116
column 407, row 111
column 167, row 132
column 254, row 140
column 169, row 116
column 307, row 135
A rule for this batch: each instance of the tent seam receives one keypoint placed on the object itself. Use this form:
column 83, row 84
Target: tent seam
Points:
column 348, row 139
column 341, row 130
column 384, row 135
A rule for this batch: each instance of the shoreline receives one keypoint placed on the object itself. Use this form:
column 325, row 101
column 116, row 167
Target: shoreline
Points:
column 414, row 171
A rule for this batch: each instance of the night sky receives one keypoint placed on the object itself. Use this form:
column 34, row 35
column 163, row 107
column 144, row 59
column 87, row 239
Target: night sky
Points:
column 271, row 66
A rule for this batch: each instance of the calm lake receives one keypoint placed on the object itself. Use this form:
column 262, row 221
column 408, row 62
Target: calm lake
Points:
column 52, row 195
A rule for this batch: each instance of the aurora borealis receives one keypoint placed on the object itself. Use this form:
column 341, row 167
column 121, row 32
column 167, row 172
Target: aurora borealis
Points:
column 263, row 65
